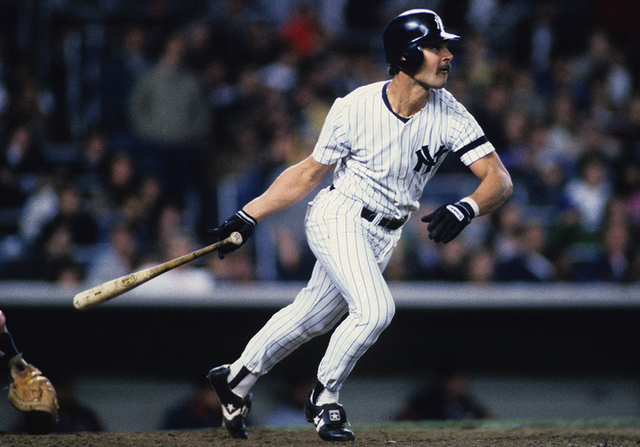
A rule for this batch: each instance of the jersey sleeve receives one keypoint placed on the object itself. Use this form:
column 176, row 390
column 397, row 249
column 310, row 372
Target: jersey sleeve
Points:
column 469, row 142
column 332, row 144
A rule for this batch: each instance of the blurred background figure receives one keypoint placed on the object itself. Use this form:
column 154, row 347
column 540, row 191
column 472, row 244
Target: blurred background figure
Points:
column 199, row 410
column 292, row 395
column 448, row 398
column 529, row 262
column 126, row 62
column 482, row 266
column 74, row 416
column 190, row 279
column 171, row 120
column 117, row 257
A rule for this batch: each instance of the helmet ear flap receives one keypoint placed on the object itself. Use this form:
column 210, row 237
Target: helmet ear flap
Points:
column 411, row 58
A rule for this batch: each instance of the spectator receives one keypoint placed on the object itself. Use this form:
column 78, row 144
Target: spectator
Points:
column 11, row 195
column 239, row 268
column 529, row 262
column 589, row 193
column 73, row 214
column 56, row 254
column 187, row 280
column 91, row 169
column 5, row 74
column 34, row 105
column 505, row 224
column 479, row 65
column 22, row 155
column 424, row 254
column 40, row 206
column 493, row 111
column 118, row 257
column 562, row 132
column 627, row 165
column 453, row 261
column 70, row 275
column 200, row 410
column 171, row 118
column 199, row 48
column 613, row 261
column 544, row 109
column 239, row 27
column 291, row 398
column 124, row 66
column 539, row 37
column 517, row 152
column 123, row 180
column 448, row 398
column 53, row 253
column 74, row 416
column 302, row 33
column 482, row 266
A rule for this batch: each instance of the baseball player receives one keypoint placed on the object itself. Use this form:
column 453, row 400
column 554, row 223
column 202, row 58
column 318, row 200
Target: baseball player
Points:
column 383, row 142
column 30, row 392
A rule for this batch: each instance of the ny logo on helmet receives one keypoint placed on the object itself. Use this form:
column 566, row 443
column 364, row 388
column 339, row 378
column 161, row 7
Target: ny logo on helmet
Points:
column 438, row 21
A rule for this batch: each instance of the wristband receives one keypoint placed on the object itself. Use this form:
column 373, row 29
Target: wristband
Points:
column 472, row 203
column 246, row 218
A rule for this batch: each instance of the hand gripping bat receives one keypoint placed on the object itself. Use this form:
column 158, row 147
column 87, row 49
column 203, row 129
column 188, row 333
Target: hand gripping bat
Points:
column 115, row 287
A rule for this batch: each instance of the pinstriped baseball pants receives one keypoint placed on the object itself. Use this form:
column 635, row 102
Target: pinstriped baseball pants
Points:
column 347, row 279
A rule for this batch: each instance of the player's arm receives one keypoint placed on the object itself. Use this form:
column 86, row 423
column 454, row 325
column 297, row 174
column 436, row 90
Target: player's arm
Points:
column 446, row 222
column 295, row 183
column 288, row 188
column 495, row 183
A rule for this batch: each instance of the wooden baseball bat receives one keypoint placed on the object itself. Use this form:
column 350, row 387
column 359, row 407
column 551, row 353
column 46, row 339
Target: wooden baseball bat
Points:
column 115, row 287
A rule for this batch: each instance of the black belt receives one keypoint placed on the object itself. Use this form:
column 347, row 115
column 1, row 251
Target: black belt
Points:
column 389, row 224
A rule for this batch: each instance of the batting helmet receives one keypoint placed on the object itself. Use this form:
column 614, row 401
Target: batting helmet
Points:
column 405, row 33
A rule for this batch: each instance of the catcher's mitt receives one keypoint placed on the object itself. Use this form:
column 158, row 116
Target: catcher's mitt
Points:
column 34, row 396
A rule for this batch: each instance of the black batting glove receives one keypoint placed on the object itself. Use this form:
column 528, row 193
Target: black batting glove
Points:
column 446, row 222
column 240, row 222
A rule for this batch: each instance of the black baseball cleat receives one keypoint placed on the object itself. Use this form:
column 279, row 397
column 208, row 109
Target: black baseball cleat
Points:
column 234, row 408
column 329, row 420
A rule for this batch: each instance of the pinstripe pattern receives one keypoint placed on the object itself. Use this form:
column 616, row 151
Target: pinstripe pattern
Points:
column 383, row 162
column 352, row 253
column 376, row 150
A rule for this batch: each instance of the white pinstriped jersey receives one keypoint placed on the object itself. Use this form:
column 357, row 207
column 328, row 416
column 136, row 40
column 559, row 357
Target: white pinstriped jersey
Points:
column 383, row 163
column 384, row 160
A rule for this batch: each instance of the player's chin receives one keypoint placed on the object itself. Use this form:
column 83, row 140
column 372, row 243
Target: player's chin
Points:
column 441, row 79
column 441, row 84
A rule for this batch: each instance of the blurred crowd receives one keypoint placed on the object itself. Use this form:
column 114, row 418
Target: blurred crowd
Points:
column 129, row 127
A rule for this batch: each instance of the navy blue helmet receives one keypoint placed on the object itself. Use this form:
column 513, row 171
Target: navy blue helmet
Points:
column 405, row 34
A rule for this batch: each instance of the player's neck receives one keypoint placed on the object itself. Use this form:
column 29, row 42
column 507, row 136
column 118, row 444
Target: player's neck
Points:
column 406, row 96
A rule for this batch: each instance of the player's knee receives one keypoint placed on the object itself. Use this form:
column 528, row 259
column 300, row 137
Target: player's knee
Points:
column 386, row 321
column 377, row 321
column 308, row 332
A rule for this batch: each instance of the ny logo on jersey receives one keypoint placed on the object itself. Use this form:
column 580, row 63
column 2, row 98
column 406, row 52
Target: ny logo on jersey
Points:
column 425, row 159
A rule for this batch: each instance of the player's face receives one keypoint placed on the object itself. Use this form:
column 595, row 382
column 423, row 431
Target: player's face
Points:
column 435, row 68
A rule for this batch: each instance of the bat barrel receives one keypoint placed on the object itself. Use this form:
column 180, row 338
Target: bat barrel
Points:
column 115, row 287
